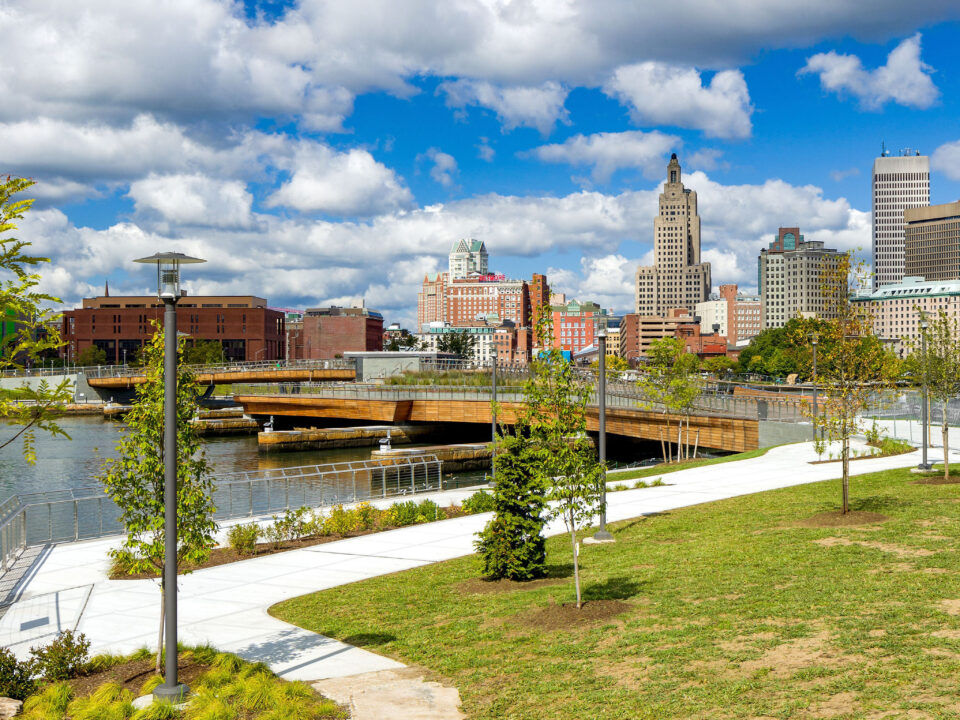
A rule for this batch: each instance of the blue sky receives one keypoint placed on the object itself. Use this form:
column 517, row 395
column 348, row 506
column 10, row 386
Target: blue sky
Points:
column 320, row 152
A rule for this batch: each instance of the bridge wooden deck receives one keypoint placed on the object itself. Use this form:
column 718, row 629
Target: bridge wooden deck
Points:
column 278, row 375
column 719, row 433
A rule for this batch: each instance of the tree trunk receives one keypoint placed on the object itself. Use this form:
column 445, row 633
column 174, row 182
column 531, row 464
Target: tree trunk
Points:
column 663, row 447
column 160, row 633
column 846, row 474
column 945, row 429
column 576, row 560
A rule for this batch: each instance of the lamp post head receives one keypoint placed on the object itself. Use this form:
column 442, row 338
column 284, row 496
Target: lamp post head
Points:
column 814, row 338
column 924, row 324
column 168, row 272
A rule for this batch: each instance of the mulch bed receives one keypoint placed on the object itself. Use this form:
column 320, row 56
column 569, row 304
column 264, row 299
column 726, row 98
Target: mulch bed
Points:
column 131, row 675
column 861, row 457
column 938, row 480
column 480, row 586
column 566, row 616
column 834, row 518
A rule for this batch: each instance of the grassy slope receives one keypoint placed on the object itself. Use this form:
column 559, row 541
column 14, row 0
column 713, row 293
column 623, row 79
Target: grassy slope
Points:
column 737, row 613
column 658, row 470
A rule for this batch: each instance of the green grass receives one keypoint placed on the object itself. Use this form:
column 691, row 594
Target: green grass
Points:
column 473, row 378
column 684, row 465
column 736, row 612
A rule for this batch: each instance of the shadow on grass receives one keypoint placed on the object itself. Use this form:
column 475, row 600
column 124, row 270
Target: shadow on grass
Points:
column 559, row 570
column 615, row 588
column 877, row 503
column 369, row 639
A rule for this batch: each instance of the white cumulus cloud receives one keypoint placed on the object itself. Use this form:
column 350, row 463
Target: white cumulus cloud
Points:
column 946, row 159
column 539, row 107
column 194, row 200
column 346, row 184
column 904, row 79
column 608, row 152
column 662, row 94
column 444, row 166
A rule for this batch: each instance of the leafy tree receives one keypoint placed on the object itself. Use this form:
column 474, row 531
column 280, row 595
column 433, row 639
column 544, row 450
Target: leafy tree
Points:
column 718, row 365
column 404, row 342
column 91, row 355
column 615, row 363
column 671, row 381
column 33, row 330
column 852, row 363
column 203, row 352
column 459, row 343
column 940, row 367
column 135, row 479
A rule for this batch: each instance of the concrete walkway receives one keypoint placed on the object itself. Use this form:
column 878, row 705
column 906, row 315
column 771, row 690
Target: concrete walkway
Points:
column 226, row 606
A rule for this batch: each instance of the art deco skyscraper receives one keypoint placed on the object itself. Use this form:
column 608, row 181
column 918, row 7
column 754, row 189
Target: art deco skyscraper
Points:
column 898, row 183
column 677, row 279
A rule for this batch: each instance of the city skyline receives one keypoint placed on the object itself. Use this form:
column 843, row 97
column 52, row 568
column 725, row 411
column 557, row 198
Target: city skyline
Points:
column 314, row 155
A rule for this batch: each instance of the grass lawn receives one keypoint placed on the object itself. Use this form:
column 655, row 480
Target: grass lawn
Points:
column 683, row 465
column 733, row 610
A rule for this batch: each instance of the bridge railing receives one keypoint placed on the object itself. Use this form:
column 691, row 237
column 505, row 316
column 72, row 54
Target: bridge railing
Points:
column 113, row 371
column 619, row 395
column 84, row 513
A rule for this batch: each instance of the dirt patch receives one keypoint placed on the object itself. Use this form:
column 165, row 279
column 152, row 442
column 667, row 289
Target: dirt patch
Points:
column 950, row 607
column 947, row 634
column 835, row 518
column 566, row 616
column 480, row 586
column 939, row 480
column 631, row 674
column 898, row 550
column 132, row 674
column 840, row 704
column 786, row 659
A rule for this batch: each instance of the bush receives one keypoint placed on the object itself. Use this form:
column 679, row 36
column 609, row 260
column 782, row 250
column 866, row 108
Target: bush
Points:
column 479, row 502
column 367, row 516
column 275, row 534
column 892, row 446
column 64, row 658
column 16, row 678
column 121, row 562
column 429, row 511
column 341, row 521
column 51, row 703
column 293, row 524
column 402, row 514
column 512, row 545
column 243, row 538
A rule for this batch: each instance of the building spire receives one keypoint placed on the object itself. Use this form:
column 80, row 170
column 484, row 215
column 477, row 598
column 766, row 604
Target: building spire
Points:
column 106, row 288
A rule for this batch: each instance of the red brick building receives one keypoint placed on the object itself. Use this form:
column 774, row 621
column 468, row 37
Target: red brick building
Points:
column 245, row 327
column 329, row 332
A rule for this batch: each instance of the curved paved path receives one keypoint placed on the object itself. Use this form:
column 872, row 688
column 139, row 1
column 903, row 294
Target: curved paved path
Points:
column 226, row 606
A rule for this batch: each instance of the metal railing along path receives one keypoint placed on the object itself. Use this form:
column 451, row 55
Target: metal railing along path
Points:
column 84, row 513
column 111, row 371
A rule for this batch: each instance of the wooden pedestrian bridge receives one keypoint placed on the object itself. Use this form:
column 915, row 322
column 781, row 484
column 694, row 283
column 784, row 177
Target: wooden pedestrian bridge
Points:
column 719, row 422
column 118, row 377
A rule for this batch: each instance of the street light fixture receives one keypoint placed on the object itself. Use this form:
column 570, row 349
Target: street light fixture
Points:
column 925, row 465
column 602, row 535
column 168, row 290
column 493, row 413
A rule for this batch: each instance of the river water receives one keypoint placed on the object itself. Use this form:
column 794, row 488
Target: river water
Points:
column 64, row 463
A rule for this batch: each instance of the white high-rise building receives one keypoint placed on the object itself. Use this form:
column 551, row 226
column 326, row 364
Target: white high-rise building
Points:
column 899, row 182
column 468, row 256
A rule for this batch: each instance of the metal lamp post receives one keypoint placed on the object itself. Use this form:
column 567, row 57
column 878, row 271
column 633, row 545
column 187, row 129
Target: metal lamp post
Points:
column 814, row 341
column 923, row 353
column 168, row 290
column 602, row 535
column 493, row 414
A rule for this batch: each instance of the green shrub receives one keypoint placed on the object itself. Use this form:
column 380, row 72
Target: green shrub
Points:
column 873, row 434
column 104, row 661
column 479, row 502
column 243, row 538
column 275, row 534
column 107, row 702
column 429, row 511
column 16, row 678
column 639, row 484
column 64, row 658
column 340, row 522
column 121, row 562
column 402, row 514
column 512, row 545
column 893, row 446
column 658, row 482
column 158, row 710
column 367, row 516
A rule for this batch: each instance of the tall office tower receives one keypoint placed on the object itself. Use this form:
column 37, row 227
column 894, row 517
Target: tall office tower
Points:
column 467, row 256
column 677, row 279
column 931, row 242
column 899, row 183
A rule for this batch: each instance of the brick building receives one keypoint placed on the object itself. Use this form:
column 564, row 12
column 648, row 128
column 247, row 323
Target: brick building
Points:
column 738, row 315
column 512, row 344
column 638, row 331
column 245, row 327
column 330, row 332
column 575, row 325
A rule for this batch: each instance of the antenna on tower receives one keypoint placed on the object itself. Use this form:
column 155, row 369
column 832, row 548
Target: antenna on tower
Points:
column 883, row 148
